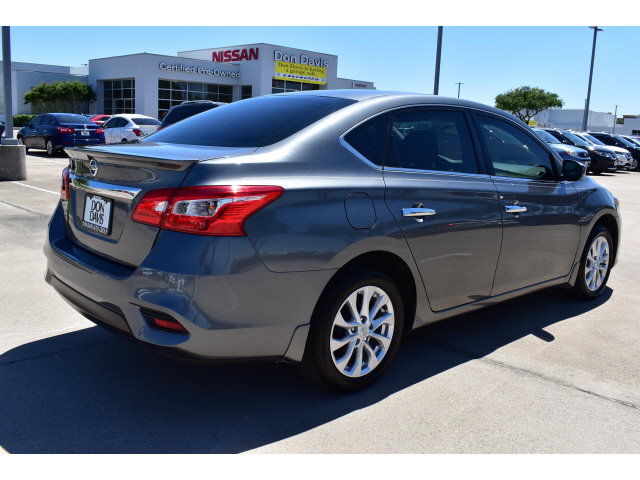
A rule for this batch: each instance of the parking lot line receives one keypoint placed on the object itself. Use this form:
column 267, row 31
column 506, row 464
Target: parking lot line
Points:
column 41, row 189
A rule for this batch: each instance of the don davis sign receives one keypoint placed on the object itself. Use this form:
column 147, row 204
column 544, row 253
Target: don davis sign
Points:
column 198, row 70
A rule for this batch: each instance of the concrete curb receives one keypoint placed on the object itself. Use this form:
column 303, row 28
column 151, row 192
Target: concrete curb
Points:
column 13, row 162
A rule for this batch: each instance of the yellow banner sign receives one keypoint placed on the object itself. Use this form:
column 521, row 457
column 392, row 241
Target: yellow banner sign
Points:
column 533, row 123
column 301, row 73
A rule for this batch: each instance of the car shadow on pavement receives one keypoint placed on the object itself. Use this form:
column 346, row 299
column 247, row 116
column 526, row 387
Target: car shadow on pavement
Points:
column 97, row 393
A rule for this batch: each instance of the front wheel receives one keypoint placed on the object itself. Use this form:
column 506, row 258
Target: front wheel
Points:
column 595, row 264
column 21, row 142
column 356, row 334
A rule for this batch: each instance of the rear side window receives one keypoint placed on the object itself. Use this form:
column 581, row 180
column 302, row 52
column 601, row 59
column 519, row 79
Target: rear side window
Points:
column 180, row 113
column 254, row 122
column 436, row 140
column 512, row 152
column 369, row 138
column 606, row 140
column 145, row 121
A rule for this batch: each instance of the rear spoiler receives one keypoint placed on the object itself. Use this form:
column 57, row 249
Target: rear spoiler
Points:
column 121, row 155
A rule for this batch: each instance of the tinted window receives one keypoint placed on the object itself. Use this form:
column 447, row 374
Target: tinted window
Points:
column 145, row 121
column 369, row 138
column 547, row 137
column 606, row 140
column 255, row 122
column 432, row 140
column 47, row 120
column 512, row 152
column 111, row 123
column 122, row 122
column 625, row 142
column 36, row 121
column 180, row 113
column 70, row 118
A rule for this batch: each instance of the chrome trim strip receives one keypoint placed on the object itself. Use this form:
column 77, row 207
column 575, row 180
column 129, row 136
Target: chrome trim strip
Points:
column 438, row 172
column 125, row 194
column 355, row 152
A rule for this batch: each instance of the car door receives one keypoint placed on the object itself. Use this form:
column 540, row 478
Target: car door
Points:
column 540, row 212
column 444, row 202
column 108, row 130
column 30, row 131
column 43, row 130
column 119, row 131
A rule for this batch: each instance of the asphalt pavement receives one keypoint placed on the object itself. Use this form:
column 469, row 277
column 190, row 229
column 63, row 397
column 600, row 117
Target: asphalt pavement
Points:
column 541, row 373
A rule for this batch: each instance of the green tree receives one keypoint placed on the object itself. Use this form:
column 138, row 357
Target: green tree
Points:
column 67, row 97
column 525, row 102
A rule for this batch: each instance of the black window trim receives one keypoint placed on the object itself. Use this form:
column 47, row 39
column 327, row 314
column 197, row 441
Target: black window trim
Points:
column 545, row 147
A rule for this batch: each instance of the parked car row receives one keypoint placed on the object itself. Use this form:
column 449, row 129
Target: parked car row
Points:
column 606, row 151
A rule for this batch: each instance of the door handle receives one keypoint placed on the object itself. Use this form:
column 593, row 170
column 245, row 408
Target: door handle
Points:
column 515, row 208
column 417, row 212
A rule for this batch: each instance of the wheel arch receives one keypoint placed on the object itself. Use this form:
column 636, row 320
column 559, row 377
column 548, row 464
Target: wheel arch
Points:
column 609, row 222
column 388, row 263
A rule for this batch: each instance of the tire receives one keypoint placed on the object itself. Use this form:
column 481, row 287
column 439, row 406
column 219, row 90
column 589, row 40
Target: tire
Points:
column 587, row 286
column 124, row 140
column 21, row 142
column 342, row 365
column 633, row 165
column 595, row 171
column 49, row 148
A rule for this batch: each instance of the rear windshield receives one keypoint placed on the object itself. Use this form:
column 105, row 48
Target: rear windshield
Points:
column 71, row 118
column 254, row 122
column 180, row 113
column 145, row 121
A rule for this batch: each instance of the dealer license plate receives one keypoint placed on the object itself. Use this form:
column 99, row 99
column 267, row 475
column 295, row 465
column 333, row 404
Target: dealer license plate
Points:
column 97, row 214
column 85, row 133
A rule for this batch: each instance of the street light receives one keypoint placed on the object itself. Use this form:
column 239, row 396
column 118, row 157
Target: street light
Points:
column 615, row 119
column 593, row 55
column 459, row 83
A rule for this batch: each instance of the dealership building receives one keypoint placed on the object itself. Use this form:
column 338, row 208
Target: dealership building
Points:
column 151, row 84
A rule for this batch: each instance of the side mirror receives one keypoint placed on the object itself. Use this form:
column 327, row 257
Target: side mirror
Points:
column 26, row 124
column 573, row 171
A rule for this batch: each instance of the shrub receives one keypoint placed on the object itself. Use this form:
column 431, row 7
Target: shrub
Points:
column 20, row 120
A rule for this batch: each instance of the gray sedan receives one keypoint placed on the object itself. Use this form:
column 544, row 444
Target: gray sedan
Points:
column 317, row 227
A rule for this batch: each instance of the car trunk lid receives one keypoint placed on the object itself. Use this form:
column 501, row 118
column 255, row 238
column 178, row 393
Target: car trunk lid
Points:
column 106, row 184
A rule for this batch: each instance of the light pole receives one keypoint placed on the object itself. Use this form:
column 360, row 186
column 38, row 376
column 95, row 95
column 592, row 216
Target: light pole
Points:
column 593, row 55
column 615, row 119
column 459, row 83
column 8, row 106
column 436, row 82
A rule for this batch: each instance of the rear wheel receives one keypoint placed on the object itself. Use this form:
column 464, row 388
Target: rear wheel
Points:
column 50, row 151
column 595, row 264
column 124, row 140
column 633, row 165
column 356, row 333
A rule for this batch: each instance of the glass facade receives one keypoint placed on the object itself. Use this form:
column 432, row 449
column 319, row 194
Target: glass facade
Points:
column 172, row 93
column 281, row 86
column 119, row 96
column 247, row 92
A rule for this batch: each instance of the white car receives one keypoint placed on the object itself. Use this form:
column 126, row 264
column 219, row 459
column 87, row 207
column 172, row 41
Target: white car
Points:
column 127, row 127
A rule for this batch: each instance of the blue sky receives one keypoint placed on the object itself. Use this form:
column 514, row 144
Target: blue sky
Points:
column 488, row 60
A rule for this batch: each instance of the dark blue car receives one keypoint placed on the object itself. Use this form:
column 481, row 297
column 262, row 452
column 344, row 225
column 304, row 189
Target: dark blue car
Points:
column 54, row 131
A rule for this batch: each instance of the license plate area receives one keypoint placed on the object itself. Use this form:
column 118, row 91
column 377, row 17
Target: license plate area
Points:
column 85, row 133
column 97, row 214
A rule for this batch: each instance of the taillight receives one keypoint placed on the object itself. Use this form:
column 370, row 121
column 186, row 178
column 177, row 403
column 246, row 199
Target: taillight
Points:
column 138, row 132
column 159, row 128
column 99, row 130
column 64, row 188
column 66, row 130
column 220, row 210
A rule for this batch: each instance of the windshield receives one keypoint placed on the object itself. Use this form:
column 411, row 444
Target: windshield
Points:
column 546, row 136
column 575, row 139
column 625, row 141
column 591, row 139
column 254, row 122
column 71, row 118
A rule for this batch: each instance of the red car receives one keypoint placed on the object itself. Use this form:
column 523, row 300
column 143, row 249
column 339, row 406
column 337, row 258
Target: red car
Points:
column 100, row 119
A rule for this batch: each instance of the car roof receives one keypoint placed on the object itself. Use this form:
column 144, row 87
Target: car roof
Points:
column 408, row 97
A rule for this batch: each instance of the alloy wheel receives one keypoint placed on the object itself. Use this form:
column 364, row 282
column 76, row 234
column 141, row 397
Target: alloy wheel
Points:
column 634, row 164
column 49, row 147
column 20, row 141
column 597, row 263
column 362, row 331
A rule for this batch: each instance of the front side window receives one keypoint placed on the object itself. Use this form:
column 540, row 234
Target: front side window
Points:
column 46, row 120
column 436, row 140
column 512, row 152
column 37, row 121
column 369, row 138
column 606, row 140
column 111, row 123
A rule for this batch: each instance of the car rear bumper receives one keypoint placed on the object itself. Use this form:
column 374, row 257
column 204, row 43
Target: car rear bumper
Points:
column 231, row 305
